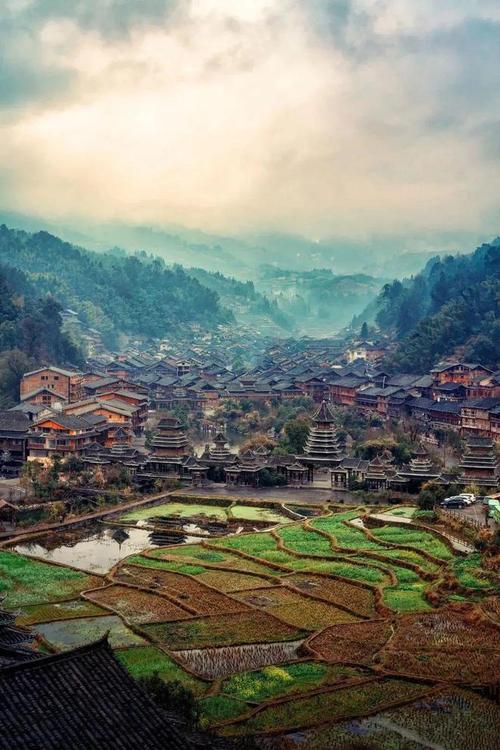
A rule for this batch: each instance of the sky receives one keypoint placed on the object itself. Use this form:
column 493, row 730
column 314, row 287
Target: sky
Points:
column 318, row 117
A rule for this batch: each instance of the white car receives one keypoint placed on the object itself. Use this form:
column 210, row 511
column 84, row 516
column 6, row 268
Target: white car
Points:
column 468, row 496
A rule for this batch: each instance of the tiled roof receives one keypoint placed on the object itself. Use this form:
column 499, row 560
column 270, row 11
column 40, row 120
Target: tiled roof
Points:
column 13, row 421
column 83, row 700
column 58, row 370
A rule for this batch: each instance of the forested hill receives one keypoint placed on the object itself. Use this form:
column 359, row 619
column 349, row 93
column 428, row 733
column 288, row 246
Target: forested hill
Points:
column 30, row 333
column 247, row 304
column 112, row 292
column 451, row 307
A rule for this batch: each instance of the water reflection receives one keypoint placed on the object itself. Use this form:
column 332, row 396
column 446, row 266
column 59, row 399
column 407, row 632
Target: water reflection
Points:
column 94, row 549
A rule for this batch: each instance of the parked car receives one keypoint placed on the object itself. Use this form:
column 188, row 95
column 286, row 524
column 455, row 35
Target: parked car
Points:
column 468, row 496
column 454, row 502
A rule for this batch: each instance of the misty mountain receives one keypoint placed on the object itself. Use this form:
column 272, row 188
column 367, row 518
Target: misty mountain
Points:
column 319, row 301
column 249, row 306
column 452, row 307
column 240, row 255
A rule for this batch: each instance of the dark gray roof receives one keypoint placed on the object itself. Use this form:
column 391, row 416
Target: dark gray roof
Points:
column 450, row 387
column 83, row 700
column 483, row 403
column 13, row 421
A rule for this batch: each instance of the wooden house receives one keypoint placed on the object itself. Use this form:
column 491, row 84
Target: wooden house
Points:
column 65, row 384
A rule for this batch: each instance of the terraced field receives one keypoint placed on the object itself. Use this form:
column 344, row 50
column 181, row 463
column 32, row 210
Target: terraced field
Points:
column 312, row 625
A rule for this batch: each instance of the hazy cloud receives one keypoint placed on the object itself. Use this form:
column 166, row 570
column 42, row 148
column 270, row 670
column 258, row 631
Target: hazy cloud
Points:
column 328, row 116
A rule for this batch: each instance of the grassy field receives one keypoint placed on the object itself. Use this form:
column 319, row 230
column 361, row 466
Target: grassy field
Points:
column 421, row 540
column 217, row 708
column 347, row 702
column 145, row 661
column 225, row 630
column 251, row 513
column 286, row 679
column 25, row 581
column 407, row 512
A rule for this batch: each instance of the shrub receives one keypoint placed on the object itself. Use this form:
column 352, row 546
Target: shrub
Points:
column 172, row 696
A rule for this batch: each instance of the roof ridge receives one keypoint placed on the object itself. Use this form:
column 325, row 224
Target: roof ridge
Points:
column 61, row 656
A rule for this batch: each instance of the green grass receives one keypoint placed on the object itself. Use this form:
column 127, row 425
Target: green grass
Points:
column 251, row 513
column 217, row 708
column 406, row 598
column 180, row 510
column 192, row 551
column 272, row 682
column 25, row 581
column 252, row 544
column 413, row 557
column 414, row 537
column 305, row 542
column 402, row 512
column 198, row 553
column 345, row 569
column 145, row 661
column 348, row 702
column 264, row 546
column 173, row 567
column 252, row 626
column 469, row 573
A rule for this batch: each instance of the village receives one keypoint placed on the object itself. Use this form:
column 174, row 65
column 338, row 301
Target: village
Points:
column 245, row 591
column 139, row 413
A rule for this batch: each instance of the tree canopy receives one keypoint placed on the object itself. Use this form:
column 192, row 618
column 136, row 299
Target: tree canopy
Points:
column 453, row 303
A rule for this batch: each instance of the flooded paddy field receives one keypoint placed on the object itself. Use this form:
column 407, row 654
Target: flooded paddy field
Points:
column 66, row 634
column 95, row 549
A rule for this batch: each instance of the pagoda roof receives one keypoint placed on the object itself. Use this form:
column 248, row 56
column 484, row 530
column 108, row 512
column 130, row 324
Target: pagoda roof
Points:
column 323, row 414
column 420, row 451
column 479, row 442
column 81, row 699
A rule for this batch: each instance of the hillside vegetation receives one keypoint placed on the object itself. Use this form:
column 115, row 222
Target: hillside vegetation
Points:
column 241, row 297
column 112, row 292
column 451, row 307
column 30, row 332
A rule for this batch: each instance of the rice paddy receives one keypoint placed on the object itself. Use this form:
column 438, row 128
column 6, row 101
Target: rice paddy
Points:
column 285, row 629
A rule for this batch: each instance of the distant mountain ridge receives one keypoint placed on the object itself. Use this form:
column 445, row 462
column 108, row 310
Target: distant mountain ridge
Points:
column 240, row 255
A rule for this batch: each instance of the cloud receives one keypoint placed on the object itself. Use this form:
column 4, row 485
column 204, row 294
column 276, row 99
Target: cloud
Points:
column 346, row 117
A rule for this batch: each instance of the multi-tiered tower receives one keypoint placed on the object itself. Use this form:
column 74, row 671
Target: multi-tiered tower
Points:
column 170, row 439
column 479, row 463
column 323, row 446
